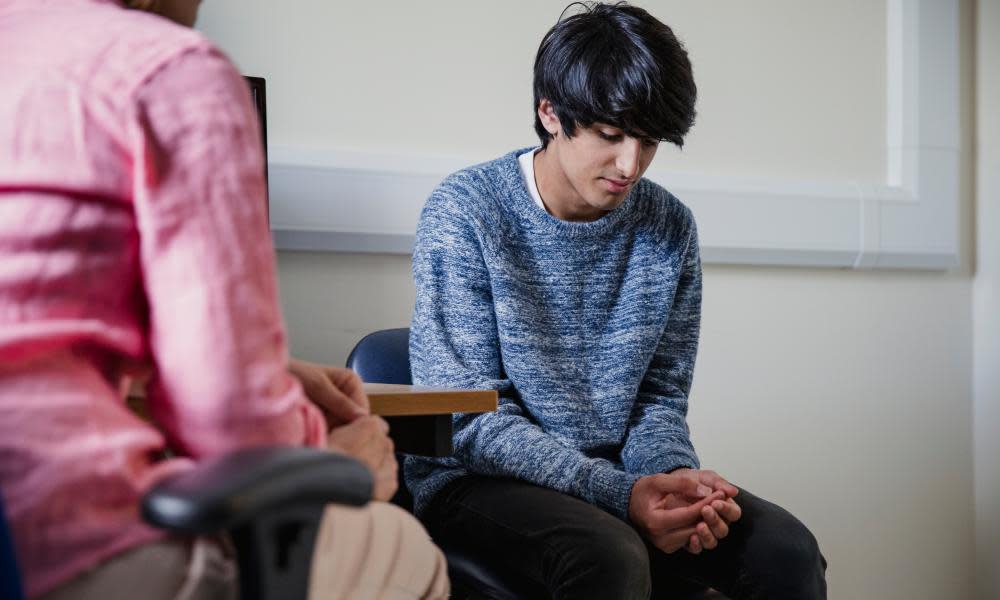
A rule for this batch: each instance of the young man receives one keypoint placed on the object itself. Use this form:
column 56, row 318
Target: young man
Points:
column 562, row 279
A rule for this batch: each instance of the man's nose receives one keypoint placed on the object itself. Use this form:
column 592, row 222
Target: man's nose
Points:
column 627, row 161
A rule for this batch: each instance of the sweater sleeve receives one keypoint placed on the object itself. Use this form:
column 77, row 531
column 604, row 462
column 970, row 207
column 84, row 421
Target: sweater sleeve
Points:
column 454, row 342
column 215, row 326
column 658, row 440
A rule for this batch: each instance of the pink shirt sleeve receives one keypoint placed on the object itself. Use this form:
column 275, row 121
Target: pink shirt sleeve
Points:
column 215, row 327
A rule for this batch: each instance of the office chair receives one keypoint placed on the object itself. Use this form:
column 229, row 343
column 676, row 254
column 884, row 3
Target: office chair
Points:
column 269, row 499
column 10, row 576
column 384, row 357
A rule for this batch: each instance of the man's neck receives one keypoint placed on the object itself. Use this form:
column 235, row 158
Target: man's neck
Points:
column 560, row 199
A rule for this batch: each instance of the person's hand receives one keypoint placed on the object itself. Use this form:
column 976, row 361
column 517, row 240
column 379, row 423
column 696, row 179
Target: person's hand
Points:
column 367, row 439
column 717, row 516
column 709, row 478
column 667, row 509
column 337, row 391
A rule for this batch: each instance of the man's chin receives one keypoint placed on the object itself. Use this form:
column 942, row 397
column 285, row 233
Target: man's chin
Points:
column 609, row 203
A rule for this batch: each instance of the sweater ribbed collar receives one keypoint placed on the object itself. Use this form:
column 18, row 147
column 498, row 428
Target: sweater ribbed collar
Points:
column 518, row 199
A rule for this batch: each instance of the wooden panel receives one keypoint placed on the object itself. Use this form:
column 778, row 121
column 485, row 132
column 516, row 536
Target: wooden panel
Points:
column 395, row 400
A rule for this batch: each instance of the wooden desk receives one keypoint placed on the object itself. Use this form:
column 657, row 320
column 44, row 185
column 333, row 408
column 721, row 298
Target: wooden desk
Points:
column 390, row 400
column 420, row 418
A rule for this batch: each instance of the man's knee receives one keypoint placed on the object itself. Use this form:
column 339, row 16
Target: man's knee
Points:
column 795, row 566
column 798, row 550
column 406, row 524
column 368, row 551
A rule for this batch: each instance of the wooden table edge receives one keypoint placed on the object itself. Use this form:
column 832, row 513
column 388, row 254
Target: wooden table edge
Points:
column 393, row 401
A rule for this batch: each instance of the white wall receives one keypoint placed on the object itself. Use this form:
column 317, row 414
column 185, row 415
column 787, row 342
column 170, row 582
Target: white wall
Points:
column 986, row 296
column 844, row 396
column 454, row 77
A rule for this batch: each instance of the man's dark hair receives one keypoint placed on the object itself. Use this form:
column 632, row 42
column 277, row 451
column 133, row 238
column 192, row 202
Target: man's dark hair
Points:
column 615, row 64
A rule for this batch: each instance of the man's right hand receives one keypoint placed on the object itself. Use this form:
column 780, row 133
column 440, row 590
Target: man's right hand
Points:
column 666, row 509
column 337, row 391
column 367, row 439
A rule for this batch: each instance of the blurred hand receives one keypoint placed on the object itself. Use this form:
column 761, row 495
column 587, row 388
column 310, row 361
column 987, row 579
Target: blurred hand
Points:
column 367, row 439
column 337, row 391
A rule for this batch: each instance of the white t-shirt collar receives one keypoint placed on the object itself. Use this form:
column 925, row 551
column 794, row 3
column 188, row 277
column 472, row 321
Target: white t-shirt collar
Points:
column 527, row 163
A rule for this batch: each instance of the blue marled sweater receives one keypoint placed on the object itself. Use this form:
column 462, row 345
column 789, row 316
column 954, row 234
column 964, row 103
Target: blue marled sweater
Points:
column 589, row 332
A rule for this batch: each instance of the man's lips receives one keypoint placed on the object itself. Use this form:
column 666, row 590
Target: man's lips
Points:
column 616, row 186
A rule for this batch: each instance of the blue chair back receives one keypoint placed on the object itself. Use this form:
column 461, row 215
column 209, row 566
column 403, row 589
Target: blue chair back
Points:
column 383, row 357
column 10, row 576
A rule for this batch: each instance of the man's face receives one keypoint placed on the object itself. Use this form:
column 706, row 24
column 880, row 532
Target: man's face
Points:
column 599, row 166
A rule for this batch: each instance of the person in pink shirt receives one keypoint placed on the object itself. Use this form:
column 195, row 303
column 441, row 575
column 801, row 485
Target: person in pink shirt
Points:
column 133, row 238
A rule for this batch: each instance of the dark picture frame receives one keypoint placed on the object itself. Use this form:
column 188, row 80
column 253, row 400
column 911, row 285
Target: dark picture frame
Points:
column 258, row 91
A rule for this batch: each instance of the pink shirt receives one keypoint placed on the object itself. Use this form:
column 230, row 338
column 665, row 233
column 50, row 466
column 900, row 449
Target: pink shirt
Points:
column 133, row 234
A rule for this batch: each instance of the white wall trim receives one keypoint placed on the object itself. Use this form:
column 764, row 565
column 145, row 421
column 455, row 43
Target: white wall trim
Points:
column 329, row 200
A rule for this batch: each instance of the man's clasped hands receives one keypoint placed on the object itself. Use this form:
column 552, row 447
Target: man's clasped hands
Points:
column 686, row 508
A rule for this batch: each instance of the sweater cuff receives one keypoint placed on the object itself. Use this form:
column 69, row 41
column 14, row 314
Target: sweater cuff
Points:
column 611, row 489
column 670, row 462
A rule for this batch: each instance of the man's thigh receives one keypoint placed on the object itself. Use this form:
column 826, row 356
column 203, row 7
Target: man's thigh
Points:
column 375, row 551
column 767, row 554
column 557, row 541
column 193, row 569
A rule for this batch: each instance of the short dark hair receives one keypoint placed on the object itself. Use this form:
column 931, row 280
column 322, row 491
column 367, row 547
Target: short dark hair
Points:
column 615, row 64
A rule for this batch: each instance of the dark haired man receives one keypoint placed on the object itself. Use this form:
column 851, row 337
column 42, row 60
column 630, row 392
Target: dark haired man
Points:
column 564, row 280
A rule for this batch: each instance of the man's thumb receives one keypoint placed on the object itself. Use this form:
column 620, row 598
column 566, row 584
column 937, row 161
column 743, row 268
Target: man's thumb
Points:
column 678, row 484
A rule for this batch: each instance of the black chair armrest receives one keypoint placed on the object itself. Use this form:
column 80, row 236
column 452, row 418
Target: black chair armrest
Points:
column 270, row 500
column 221, row 493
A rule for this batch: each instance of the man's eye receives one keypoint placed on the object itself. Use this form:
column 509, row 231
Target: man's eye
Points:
column 611, row 137
column 650, row 142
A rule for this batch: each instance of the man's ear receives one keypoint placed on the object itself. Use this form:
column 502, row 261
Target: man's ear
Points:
column 549, row 118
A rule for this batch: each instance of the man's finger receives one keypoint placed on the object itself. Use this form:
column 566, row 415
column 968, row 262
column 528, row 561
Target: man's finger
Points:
column 665, row 519
column 387, row 477
column 675, row 540
column 338, row 407
column 708, row 540
column 383, row 426
column 717, row 482
column 678, row 484
column 730, row 489
column 389, row 464
column 714, row 522
column 351, row 384
column 694, row 545
column 728, row 510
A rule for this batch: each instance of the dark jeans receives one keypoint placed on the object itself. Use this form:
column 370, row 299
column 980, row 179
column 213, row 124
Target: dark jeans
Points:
column 576, row 550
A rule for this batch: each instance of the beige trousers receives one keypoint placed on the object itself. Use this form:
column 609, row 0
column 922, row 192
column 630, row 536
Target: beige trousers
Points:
column 377, row 552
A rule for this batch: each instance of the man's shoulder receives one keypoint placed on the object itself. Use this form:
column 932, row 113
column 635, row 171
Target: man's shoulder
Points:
column 661, row 203
column 123, row 48
column 664, row 213
column 475, row 193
